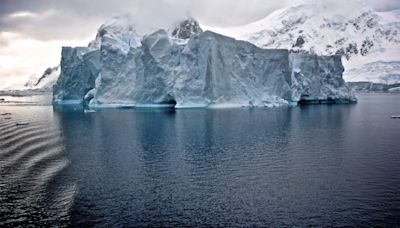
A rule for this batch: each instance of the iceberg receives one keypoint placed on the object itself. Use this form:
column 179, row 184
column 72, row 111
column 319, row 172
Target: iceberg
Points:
column 191, row 68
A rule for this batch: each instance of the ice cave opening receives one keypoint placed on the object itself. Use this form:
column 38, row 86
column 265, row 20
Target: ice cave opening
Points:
column 169, row 101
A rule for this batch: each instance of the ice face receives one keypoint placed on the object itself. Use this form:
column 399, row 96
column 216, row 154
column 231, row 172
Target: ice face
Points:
column 318, row 79
column 210, row 70
column 79, row 69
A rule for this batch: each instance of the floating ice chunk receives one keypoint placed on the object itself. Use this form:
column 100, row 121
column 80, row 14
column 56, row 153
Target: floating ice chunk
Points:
column 89, row 111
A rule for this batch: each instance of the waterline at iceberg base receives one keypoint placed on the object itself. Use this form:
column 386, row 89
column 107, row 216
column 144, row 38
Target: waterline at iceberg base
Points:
column 206, row 70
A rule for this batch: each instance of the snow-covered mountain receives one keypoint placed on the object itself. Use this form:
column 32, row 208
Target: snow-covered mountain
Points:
column 367, row 86
column 46, row 81
column 377, row 72
column 186, row 29
column 360, row 34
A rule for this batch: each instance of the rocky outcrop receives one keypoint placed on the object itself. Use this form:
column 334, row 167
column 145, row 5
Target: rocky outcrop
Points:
column 187, row 29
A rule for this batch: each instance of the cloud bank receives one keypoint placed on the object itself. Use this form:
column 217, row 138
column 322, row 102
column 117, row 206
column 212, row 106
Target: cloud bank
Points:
column 76, row 19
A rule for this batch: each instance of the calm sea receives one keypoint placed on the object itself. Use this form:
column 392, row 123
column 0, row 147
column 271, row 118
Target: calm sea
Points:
column 315, row 165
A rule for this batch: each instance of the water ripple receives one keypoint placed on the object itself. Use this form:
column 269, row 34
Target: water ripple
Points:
column 31, row 157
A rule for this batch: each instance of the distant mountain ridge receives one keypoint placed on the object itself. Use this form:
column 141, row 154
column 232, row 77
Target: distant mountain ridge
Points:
column 46, row 81
column 374, row 87
column 376, row 72
column 316, row 28
column 361, row 35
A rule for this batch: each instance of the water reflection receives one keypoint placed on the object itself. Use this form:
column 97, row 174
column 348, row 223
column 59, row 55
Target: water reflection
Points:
column 322, row 165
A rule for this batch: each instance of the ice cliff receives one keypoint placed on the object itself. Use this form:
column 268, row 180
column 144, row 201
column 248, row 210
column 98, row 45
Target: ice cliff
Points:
column 192, row 68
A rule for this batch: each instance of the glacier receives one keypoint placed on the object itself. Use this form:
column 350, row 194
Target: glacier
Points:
column 199, row 69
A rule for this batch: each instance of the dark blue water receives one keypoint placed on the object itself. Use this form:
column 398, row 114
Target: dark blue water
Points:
column 317, row 165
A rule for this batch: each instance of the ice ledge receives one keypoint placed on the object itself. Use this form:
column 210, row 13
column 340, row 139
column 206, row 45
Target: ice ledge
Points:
column 198, row 106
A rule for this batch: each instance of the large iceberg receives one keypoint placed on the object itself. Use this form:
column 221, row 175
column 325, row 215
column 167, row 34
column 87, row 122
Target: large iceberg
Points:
column 196, row 69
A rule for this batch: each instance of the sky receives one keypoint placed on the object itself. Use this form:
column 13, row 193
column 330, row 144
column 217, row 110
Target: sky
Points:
column 32, row 32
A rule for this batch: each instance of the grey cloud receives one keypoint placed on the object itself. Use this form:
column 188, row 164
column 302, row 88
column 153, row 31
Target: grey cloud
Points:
column 77, row 19
column 384, row 5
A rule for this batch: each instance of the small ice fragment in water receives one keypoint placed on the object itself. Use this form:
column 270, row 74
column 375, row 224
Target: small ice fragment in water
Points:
column 89, row 110
column 396, row 117
column 6, row 114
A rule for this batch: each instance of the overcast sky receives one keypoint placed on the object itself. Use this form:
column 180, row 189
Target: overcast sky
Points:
column 33, row 31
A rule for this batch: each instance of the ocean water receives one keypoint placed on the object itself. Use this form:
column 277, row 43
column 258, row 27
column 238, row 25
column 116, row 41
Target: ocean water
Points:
column 313, row 165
